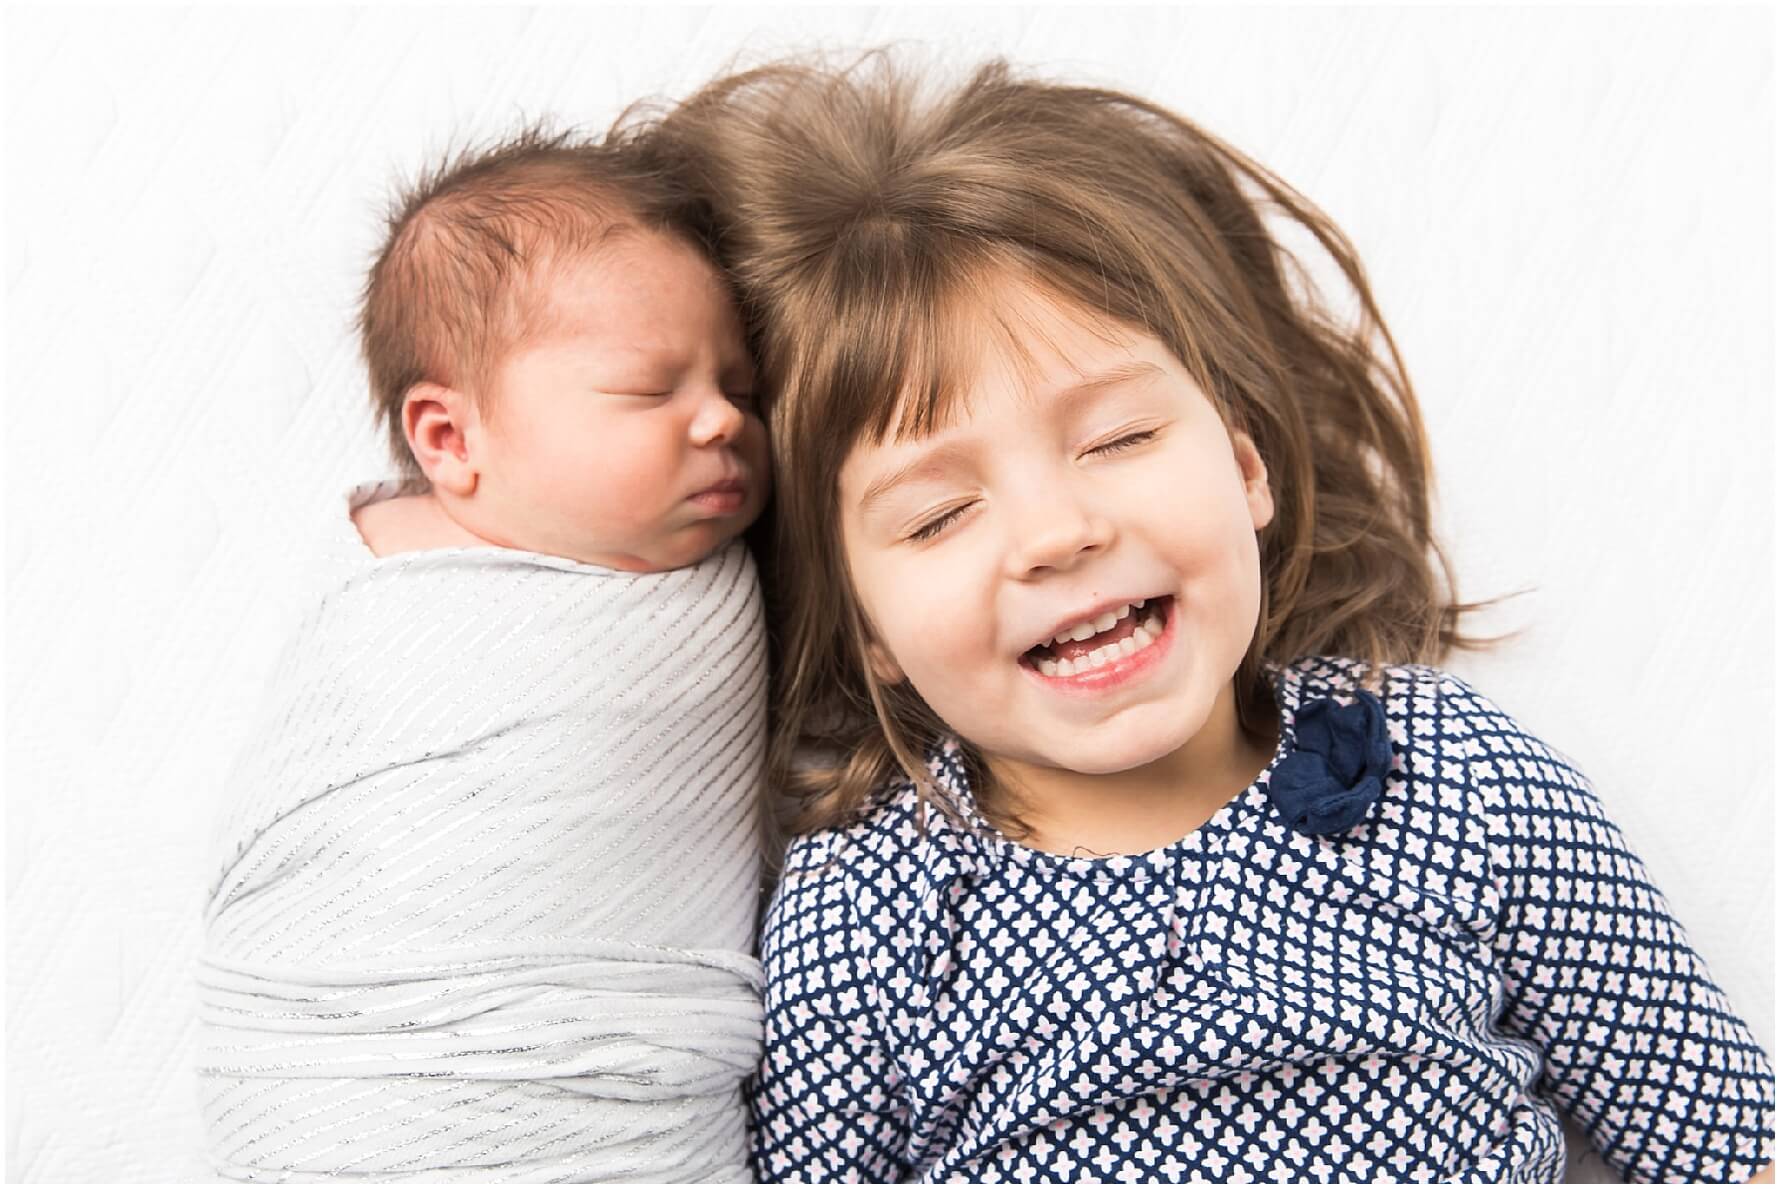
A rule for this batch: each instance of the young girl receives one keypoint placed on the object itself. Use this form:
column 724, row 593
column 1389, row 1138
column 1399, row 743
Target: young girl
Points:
column 1136, row 838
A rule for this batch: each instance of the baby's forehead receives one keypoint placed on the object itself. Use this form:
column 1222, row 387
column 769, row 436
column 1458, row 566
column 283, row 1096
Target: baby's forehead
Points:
column 562, row 286
column 619, row 265
column 551, row 264
column 641, row 296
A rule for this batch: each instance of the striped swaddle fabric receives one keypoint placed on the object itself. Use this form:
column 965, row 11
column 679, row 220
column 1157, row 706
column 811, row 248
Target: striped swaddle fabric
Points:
column 488, row 877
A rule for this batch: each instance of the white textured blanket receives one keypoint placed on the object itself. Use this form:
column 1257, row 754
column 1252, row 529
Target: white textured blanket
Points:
column 486, row 892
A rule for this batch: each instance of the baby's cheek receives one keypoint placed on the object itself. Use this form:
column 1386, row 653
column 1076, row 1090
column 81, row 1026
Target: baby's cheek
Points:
column 638, row 475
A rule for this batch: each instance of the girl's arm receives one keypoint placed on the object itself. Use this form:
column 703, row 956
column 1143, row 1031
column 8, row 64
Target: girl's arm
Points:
column 1640, row 1046
column 825, row 1103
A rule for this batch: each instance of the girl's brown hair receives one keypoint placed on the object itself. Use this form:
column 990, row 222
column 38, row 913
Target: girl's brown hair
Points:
column 854, row 212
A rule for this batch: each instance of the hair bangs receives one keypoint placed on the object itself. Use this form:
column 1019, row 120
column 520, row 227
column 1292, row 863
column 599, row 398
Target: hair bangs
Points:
column 891, row 356
column 912, row 336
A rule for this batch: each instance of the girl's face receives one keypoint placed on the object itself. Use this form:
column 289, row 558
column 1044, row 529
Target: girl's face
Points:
column 1091, row 493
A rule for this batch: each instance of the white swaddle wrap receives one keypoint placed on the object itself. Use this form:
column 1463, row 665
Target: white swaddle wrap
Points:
column 488, row 881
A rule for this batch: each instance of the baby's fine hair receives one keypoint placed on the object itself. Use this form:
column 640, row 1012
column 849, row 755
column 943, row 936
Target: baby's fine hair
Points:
column 455, row 284
column 861, row 215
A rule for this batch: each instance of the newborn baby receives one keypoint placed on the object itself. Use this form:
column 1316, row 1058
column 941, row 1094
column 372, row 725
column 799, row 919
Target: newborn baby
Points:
column 485, row 899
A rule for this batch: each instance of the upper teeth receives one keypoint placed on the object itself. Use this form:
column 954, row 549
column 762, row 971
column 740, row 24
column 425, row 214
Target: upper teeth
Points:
column 1093, row 627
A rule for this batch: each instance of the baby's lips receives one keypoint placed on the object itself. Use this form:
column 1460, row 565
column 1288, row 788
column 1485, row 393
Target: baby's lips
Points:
column 726, row 497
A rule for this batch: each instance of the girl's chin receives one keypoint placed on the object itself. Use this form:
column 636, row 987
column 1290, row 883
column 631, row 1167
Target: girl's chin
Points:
column 1112, row 765
column 1112, row 756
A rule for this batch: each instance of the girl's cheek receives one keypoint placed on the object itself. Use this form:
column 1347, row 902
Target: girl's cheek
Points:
column 929, row 603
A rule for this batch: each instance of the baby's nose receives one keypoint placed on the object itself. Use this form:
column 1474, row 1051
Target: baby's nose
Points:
column 717, row 420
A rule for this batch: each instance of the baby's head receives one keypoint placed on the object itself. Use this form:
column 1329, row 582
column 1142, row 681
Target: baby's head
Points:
column 550, row 346
column 1036, row 356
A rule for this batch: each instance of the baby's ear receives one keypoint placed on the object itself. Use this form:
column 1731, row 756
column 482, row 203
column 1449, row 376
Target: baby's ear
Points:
column 1254, row 480
column 438, row 422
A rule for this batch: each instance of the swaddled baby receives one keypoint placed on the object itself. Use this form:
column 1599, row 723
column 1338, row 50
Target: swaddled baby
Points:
column 486, row 891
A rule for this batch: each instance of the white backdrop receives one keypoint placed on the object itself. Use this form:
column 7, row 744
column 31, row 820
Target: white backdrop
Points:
column 1568, row 218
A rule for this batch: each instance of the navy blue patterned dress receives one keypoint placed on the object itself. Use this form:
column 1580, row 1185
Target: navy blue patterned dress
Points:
column 1408, row 999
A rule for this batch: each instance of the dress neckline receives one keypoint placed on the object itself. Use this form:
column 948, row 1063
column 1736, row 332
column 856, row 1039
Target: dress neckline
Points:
column 1251, row 799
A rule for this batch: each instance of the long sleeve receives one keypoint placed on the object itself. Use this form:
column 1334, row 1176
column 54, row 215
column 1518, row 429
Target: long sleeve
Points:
column 1640, row 1046
column 825, row 1102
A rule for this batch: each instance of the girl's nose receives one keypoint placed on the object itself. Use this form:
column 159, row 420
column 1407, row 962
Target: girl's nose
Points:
column 1055, row 531
column 717, row 420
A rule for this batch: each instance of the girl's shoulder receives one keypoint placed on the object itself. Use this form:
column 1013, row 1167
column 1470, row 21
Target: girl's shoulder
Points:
column 904, row 845
column 1463, row 768
column 1460, row 765
column 1407, row 690
column 1421, row 703
column 1470, row 797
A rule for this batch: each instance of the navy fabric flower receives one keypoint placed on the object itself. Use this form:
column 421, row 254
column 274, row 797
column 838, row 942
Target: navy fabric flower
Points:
column 1330, row 780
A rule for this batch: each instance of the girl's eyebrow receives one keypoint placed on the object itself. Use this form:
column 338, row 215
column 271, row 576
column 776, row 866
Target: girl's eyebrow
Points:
column 937, row 461
column 928, row 464
column 1135, row 369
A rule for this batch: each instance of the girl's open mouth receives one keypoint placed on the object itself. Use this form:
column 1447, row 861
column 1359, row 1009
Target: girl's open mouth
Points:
column 1111, row 654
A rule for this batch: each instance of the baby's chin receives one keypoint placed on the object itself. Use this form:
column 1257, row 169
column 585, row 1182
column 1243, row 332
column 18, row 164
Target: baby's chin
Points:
column 670, row 551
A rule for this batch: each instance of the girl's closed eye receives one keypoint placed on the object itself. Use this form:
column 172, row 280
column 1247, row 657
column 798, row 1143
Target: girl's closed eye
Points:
column 1124, row 442
column 929, row 529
